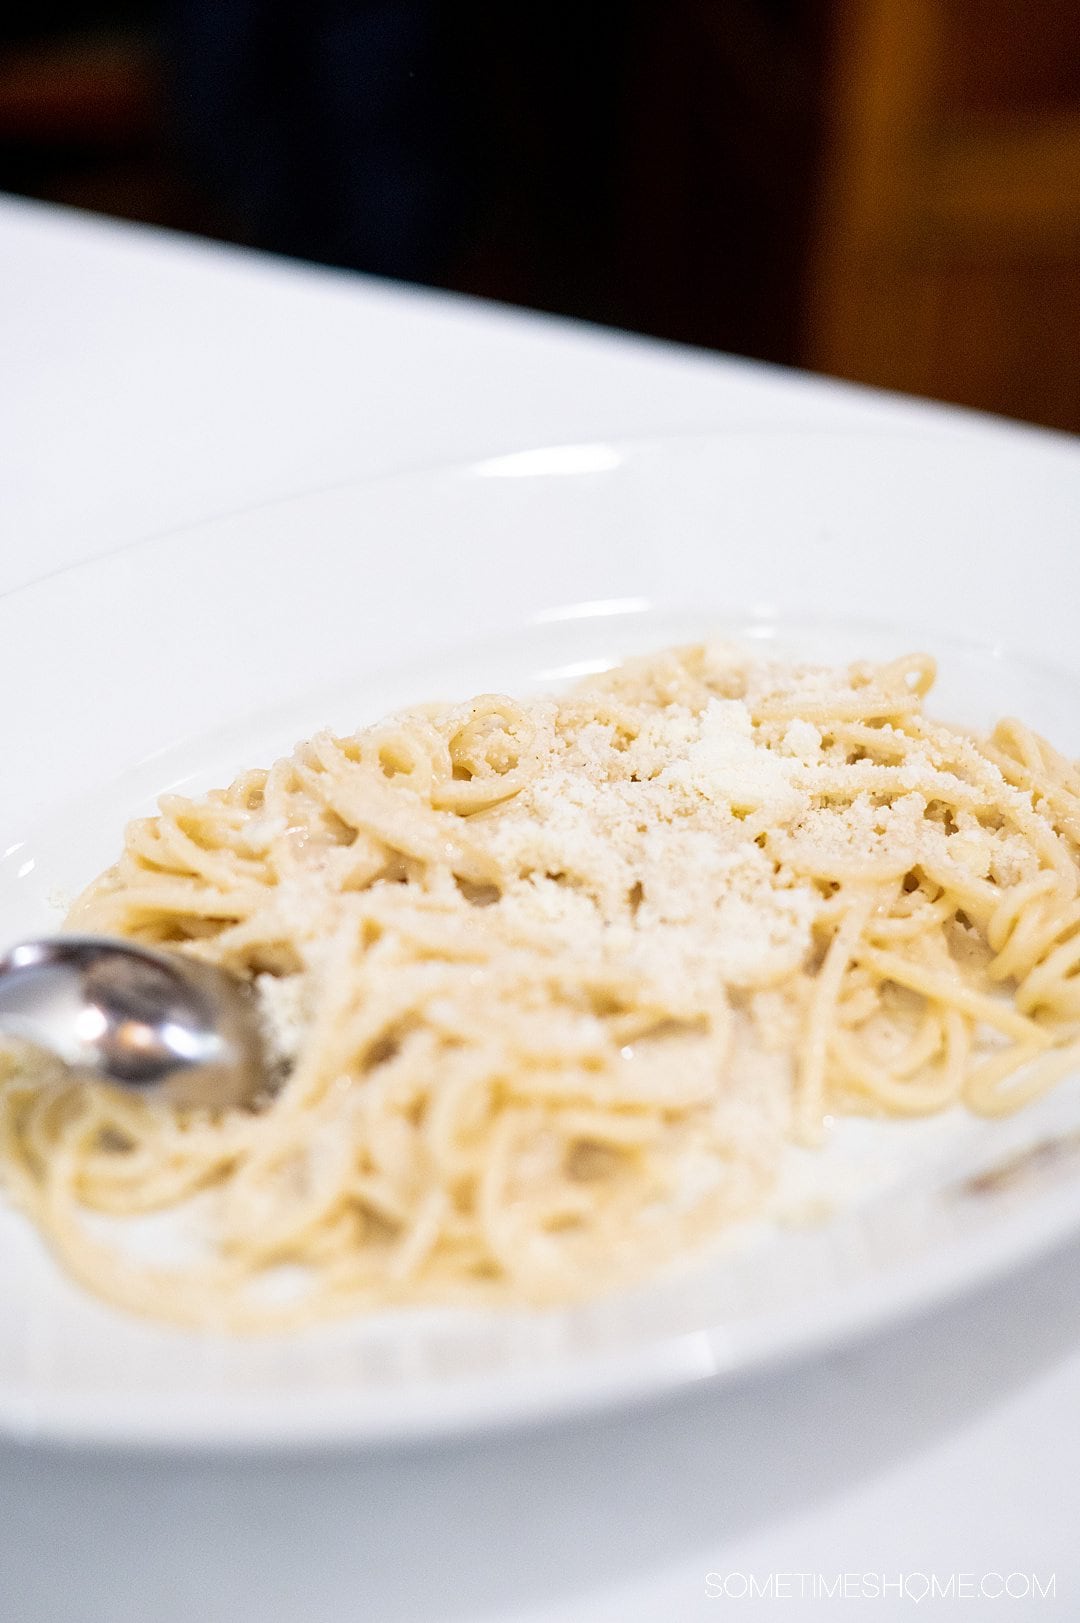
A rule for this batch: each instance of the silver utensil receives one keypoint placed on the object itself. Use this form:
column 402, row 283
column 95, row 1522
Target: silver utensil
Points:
column 154, row 1022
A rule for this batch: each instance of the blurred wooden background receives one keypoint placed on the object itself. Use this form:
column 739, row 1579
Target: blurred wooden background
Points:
column 885, row 190
column 946, row 258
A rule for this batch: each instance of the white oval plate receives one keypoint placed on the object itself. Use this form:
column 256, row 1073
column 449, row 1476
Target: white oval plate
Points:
column 180, row 661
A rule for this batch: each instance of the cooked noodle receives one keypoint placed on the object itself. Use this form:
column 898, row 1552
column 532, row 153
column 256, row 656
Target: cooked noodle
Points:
column 552, row 984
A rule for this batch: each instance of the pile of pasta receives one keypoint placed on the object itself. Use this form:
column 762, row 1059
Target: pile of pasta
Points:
column 550, row 986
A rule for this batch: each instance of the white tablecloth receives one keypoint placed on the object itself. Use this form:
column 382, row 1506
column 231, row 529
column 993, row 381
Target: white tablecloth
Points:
column 147, row 381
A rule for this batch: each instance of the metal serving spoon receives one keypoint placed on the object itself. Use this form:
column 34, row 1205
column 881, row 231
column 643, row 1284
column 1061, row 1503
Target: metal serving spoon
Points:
column 153, row 1022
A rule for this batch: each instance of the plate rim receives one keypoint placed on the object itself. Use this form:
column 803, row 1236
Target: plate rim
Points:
column 1023, row 438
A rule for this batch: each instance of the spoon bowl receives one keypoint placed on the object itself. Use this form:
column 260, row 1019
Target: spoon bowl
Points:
column 153, row 1022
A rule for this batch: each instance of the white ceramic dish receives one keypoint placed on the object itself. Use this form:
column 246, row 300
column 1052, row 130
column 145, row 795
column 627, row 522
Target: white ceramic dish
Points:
column 177, row 662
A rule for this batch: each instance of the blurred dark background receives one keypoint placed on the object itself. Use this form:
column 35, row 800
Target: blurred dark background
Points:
column 886, row 190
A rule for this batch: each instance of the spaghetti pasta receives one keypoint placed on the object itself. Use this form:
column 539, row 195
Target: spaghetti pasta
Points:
column 551, row 984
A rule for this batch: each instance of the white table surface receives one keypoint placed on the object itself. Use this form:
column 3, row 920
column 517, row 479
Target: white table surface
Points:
column 147, row 381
